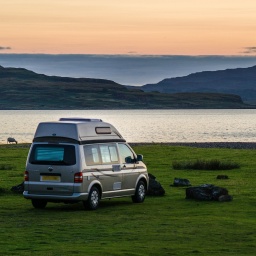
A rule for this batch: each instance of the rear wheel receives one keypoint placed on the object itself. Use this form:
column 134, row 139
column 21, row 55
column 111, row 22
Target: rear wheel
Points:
column 93, row 200
column 140, row 192
column 39, row 204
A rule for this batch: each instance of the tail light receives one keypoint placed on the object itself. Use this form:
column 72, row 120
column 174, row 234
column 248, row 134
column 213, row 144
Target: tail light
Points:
column 26, row 176
column 78, row 178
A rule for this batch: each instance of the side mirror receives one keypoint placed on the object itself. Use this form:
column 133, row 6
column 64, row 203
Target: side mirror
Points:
column 139, row 158
column 128, row 160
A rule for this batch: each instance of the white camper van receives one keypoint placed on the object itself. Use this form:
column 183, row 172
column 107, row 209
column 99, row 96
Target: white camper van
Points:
column 78, row 159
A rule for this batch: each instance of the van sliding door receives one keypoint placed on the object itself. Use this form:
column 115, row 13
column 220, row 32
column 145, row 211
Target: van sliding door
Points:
column 101, row 158
column 128, row 166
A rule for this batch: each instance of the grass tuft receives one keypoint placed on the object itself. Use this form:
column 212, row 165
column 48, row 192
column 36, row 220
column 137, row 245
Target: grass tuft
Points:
column 199, row 164
column 6, row 167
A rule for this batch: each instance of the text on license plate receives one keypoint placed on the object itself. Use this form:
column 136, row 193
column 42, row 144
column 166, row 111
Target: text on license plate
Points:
column 50, row 178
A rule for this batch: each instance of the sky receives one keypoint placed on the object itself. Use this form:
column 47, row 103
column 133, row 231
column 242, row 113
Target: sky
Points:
column 133, row 27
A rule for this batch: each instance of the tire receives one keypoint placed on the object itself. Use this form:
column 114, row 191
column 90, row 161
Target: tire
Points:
column 93, row 200
column 39, row 204
column 140, row 192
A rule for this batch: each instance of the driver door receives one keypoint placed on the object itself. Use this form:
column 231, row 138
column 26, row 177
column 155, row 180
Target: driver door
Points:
column 128, row 167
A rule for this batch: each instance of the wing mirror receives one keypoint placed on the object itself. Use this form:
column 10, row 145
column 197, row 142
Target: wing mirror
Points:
column 129, row 160
column 139, row 158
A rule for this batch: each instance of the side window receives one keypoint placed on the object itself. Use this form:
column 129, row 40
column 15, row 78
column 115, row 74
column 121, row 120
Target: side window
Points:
column 108, row 154
column 92, row 156
column 105, row 154
column 113, row 153
column 100, row 154
column 126, row 154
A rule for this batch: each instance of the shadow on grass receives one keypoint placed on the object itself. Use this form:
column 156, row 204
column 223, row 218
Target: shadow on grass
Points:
column 78, row 206
column 3, row 191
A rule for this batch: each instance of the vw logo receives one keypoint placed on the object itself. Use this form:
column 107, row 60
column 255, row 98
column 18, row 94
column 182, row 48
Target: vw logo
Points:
column 50, row 169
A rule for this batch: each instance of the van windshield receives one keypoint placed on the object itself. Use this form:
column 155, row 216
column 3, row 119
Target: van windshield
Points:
column 53, row 154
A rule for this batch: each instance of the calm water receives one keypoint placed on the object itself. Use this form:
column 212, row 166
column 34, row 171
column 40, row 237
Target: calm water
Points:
column 145, row 125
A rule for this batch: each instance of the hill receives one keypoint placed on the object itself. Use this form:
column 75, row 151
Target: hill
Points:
column 24, row 89
column 240, row 81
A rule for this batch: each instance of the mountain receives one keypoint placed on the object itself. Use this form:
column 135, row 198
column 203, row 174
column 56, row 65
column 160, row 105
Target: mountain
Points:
column 24, row 89
column 240, row 81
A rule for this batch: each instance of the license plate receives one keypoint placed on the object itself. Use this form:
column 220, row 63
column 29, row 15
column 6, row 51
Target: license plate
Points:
column 50, row 178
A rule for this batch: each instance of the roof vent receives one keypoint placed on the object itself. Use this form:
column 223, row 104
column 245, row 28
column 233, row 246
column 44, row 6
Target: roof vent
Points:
column 78, row 119
column 103, row 130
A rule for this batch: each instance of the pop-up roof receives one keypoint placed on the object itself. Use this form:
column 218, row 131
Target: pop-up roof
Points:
column 81, row 130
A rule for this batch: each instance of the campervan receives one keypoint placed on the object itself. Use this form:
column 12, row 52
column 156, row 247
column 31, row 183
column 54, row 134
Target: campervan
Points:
column 82, row 159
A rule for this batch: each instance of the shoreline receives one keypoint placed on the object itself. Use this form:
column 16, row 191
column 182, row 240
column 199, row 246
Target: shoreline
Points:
column 230, row 145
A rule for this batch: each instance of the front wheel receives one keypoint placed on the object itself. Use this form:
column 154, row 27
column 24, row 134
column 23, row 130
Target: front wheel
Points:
column 39, row 204
column 93, row 200
column 140, row 192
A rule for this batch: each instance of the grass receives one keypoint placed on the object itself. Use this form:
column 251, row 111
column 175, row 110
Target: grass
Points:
column 199, row 164
column 168, row 225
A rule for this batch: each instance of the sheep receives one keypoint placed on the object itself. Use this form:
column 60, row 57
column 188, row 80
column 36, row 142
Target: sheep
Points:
column 10, row 140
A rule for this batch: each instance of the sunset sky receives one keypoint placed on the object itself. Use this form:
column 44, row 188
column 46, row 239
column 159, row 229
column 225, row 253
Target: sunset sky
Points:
column 150, row 27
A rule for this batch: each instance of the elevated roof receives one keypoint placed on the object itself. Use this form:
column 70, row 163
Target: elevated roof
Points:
column 77, row 129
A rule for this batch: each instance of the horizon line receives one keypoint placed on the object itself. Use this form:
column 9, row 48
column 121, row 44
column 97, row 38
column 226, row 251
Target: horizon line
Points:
column 131, row 55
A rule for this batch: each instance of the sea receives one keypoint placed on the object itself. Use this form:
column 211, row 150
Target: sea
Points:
column 144, row 126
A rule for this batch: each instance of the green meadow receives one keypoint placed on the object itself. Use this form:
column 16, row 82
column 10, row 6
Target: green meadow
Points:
column 167, row 225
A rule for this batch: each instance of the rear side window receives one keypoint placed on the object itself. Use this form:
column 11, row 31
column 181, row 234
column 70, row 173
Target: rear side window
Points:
column 92, row 155
column 53, row 155
column 100, row 154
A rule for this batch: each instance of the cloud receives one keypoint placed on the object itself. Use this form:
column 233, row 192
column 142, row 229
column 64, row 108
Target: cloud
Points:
column 132, row 52
column 5, row 48
column 250, row 50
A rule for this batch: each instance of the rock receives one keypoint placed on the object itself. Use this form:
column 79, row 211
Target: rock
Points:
column 206, row 192
column 178, row 182
column 154, row 188
column 18, row 189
